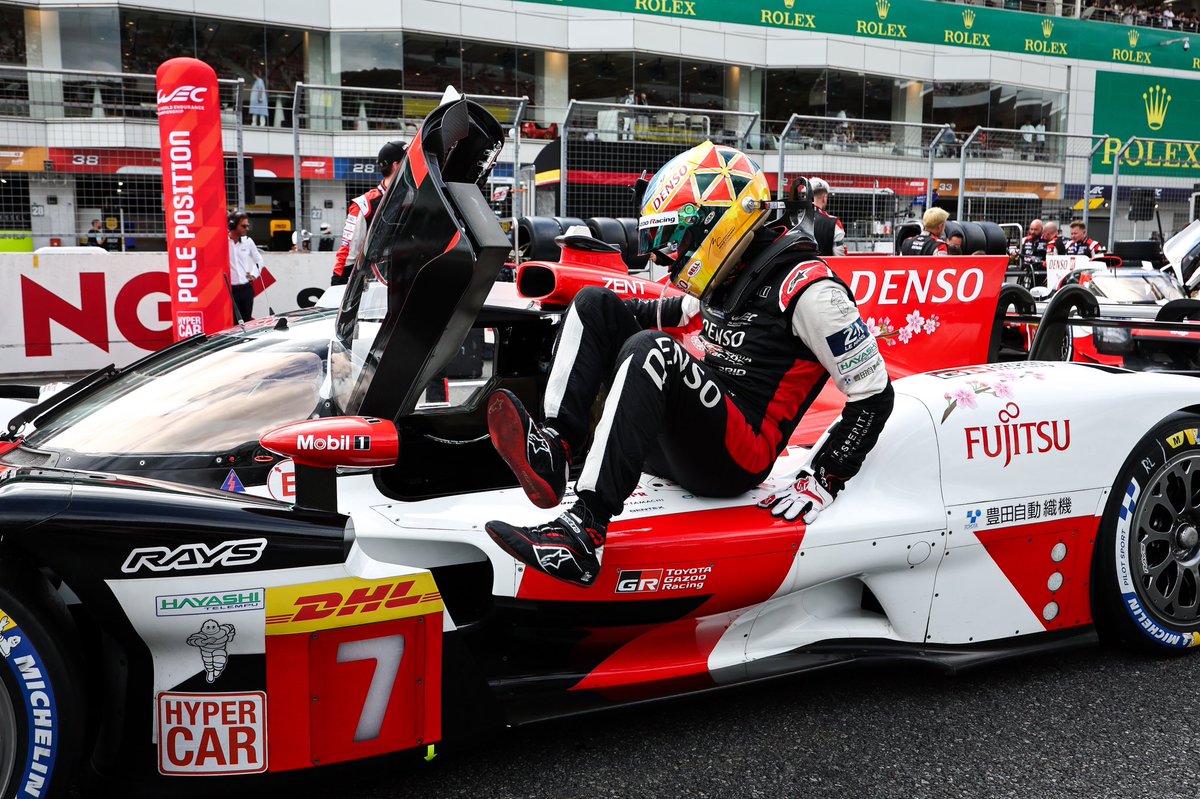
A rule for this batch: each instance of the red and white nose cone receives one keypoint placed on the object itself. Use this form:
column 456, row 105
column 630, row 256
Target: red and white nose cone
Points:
column 359, row 441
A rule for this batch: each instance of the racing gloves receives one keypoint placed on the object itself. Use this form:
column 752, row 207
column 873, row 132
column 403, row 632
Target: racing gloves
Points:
column 806, row 497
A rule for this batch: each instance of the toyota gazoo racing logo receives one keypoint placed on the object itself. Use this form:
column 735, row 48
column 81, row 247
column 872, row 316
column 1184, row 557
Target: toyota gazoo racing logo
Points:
column 183, row 94
column 1012, row 437
column 332, row 443
column 187, row 557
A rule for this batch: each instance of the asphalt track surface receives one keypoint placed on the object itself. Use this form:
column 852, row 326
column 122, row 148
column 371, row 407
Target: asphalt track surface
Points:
column 1088, row 723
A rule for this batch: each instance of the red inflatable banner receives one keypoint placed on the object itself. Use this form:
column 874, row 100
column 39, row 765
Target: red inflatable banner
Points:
column 193, row 172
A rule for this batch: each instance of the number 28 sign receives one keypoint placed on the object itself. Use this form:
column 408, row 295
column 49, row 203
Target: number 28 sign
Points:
column 353, row 669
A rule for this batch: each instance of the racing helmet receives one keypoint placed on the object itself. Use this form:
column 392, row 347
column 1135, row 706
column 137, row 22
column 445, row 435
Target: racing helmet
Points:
column 699, row 213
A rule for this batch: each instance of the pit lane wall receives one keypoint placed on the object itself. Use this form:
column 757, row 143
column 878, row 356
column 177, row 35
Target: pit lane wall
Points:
column 73, row 312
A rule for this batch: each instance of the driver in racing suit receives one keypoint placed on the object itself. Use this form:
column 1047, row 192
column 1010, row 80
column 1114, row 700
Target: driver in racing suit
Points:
column 362, row 208
column 776, row 325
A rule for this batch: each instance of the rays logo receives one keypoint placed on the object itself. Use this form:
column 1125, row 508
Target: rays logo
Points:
column 188, row 557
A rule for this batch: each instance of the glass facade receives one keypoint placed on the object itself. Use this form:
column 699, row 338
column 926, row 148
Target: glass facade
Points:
column 136, row 41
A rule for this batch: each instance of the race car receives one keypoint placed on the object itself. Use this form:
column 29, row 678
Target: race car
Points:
column 341, row 599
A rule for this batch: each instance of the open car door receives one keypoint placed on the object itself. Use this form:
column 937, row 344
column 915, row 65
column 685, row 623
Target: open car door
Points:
column 433, row 251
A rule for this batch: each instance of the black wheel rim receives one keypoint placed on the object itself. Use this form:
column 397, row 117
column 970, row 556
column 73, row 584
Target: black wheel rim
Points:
column 1166, row 558
column 8, row 739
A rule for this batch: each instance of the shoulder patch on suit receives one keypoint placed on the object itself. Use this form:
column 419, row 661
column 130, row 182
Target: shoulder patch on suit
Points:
column 800, row 277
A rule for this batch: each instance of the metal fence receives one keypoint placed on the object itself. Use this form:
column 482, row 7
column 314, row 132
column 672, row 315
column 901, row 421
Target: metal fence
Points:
column 1009, row 175
column 885, row 171
column 1151, row 187
column 604, row 147
column 337, row 132
column 82, row 146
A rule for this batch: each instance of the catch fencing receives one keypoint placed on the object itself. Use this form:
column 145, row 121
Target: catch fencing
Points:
column 1007, row 175
column 337, row 132
column 604, row 147
column 1153, row 188
column 80, row 146
column 881, row 172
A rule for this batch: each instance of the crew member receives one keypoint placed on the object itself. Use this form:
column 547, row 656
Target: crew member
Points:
column 245, row 265
column 929, row 241
column 954, row 243
column 1052, row 242
column 828, row 229
column 1033, row 251
column 362, row 208
column 1080, row 244
column 776, row 323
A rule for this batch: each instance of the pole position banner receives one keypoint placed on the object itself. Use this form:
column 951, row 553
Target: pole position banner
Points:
column 193, row 173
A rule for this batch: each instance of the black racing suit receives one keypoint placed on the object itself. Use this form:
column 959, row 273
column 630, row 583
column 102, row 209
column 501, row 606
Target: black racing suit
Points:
column 716, row 425
column 829, row 233
column 925, row 243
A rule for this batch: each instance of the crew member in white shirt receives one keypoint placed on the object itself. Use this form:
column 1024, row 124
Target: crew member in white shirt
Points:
column 245, row 265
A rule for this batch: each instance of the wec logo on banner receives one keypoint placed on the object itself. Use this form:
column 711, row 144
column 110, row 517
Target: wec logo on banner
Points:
column 183, row 94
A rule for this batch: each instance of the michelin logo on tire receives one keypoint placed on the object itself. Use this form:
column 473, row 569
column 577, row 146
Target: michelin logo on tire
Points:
column 40, row 709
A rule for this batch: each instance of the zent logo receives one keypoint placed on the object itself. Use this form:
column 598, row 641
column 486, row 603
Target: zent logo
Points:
column 184, row 94
column 195, row 556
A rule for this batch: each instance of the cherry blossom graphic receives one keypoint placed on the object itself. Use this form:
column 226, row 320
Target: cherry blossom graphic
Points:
column 967, row 395
column 915, row 324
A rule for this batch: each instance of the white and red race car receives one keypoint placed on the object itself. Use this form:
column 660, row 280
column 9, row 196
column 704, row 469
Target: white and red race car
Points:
column 350, row 612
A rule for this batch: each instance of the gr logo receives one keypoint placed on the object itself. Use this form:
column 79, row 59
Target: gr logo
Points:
column 643, row 581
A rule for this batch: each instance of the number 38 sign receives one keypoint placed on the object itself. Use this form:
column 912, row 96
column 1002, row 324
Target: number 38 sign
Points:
column 353, row 669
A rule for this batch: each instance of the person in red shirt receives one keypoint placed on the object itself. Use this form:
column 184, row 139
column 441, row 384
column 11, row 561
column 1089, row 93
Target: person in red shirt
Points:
column 362, row 208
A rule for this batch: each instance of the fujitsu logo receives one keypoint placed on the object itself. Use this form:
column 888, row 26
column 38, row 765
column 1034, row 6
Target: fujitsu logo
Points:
column 1011, row 438
column 183, row 94
column 343, row 443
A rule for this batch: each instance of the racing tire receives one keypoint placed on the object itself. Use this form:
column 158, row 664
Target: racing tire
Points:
column 1146, row 566
column 609, row 231
column 42, row 717
column 997, row 243
column 537, row 238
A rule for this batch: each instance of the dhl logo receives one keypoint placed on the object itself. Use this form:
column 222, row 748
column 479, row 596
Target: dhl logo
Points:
column 349, row 603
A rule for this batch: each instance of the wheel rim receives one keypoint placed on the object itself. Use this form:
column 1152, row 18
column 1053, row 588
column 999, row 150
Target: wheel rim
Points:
column 1166, row 562
column 8, row 740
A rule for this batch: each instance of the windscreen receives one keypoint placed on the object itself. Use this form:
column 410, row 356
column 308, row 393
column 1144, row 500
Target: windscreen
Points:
column 216, row 396
column 1133, row 285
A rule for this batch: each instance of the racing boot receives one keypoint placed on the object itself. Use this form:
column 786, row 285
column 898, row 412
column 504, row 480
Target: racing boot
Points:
column 566, row 548
column 536, row 454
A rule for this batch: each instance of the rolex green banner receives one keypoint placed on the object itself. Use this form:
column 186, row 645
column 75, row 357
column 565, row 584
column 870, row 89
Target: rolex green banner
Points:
column 928, row 22
column 1152, row 107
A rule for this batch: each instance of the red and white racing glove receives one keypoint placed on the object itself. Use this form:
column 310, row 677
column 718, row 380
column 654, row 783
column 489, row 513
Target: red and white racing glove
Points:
column 806, row 497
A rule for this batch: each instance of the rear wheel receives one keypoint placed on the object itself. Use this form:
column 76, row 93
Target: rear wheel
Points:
column 1146, row 586
column 41, row 709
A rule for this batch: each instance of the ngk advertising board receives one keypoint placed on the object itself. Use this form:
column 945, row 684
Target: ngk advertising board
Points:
column 193, row 169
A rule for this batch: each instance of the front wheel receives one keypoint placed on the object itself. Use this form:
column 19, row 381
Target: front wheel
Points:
column 1146, row 569
column 41, row 711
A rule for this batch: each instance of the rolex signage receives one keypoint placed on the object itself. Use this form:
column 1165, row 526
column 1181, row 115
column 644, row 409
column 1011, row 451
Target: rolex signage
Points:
column 1151, row 107
column 977, row 27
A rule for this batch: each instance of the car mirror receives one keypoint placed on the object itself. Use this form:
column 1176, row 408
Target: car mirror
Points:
column 353, row 441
